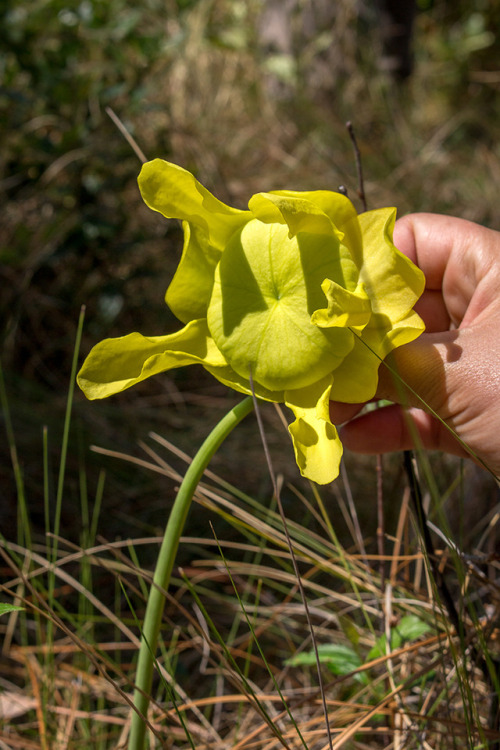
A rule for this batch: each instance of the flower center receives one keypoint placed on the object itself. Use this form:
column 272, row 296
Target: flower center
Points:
column 266, row 288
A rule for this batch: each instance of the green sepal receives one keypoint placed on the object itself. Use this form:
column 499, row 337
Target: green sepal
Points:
column 176, row 193
column 391, row 280
column 191, row 288
column 116, row 364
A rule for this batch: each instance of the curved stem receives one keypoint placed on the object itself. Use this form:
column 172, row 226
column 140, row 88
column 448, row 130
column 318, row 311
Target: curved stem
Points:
column 165, row 563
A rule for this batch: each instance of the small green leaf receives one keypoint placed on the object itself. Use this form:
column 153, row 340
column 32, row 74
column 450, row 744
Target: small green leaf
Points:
column 380, row 647
column 341, row 659
column 409, row 628
column 6, row 608
column 412, row 627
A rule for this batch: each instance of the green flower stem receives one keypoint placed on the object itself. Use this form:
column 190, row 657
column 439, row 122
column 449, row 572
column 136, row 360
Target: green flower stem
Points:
column 165, row 563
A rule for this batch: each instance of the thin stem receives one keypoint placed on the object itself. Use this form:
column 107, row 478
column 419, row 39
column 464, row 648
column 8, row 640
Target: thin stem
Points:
column 164, row 566
column 293, row 558
column 123, row 130
column 62, row 469
column 65, row 440
column 359, row 166
column 418, row 506
column 380, row 522
column 491, row 671
column 23, row 525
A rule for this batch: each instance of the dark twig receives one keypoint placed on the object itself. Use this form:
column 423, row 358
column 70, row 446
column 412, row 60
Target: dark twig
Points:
column 418, row 507
column 380, row 522
column 380, row 496
column 359, row 166
column 446, row 597
column 123, row 130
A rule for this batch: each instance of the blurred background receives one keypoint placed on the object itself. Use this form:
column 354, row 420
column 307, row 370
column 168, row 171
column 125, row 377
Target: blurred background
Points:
column 249, row 96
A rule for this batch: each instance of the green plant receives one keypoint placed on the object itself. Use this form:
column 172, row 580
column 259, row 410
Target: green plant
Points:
column 190, row 81
column 251, row 289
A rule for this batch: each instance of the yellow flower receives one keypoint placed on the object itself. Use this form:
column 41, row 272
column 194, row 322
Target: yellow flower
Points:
column 298, row 292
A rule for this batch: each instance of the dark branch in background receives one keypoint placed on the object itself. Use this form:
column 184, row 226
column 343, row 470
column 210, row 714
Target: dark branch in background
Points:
column 415, row 491
column 395, row 18
column 380, row 490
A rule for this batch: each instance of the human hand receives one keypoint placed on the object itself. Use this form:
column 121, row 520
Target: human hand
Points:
column 454, row 367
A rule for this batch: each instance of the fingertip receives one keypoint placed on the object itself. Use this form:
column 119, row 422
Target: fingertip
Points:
column 340, row 412
column 393, row 428
column 384, row 430
column 404, row 236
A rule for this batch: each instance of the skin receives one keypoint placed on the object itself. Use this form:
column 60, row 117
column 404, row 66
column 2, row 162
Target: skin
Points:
column 455, row 365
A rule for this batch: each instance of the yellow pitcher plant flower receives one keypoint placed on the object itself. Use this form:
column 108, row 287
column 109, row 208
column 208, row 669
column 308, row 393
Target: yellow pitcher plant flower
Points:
column 298, row 298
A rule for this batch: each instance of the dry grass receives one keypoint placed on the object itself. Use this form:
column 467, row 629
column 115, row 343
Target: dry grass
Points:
column 217, row 654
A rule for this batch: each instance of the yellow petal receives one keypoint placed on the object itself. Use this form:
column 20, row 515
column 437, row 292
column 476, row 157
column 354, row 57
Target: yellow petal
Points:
column 344, row 309
column 317, row 446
